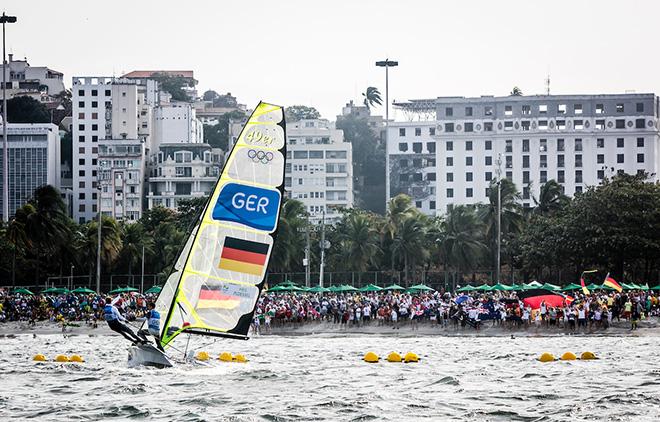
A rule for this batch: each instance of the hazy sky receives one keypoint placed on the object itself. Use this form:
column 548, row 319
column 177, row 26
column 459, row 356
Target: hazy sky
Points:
column 322, row 53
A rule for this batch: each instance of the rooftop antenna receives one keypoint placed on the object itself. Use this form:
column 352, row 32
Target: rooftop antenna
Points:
column 547, row 84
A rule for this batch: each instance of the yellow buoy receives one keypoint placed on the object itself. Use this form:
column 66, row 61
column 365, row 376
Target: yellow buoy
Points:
column 394, row 357
column 568, row 356
column 225, row 357
column 61, row 358
column 202, row 356
column 240, row 358
column 547, row 357
column 587, row 356
column 39, row 358
column 76, row 358
column 371, row 357
column 410, row 357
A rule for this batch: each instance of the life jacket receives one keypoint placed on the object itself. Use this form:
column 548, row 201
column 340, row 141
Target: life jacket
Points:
column 108, row 314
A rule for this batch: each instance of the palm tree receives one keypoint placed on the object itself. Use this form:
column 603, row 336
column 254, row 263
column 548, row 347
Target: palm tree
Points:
column 398, row 208
column 516, row 92
column 110, row 243
column 134, row 239
column 551, row 198
column 410, row 241
column 290, row 243
column 371, row 97
column 460, row 240
column 360, row 243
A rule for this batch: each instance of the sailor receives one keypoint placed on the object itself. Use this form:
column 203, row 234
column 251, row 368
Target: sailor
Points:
column 153, row 320
column 114, row 320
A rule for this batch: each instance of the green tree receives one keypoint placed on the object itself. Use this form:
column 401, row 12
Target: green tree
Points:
column 218, row 135
column 210, row 95
column 174, row 85
column 409, row 241
column 295, row 113
column 360, row 241
column 25, row 109
column 289, row 246
column 516, row 92
column 371, row 96
column 189, row 212
column 111, row 244
column 133, row 239
column 551, row 198
column 461, row 239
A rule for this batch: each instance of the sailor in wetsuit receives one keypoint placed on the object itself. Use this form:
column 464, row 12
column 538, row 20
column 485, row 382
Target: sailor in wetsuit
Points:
column 114, row 320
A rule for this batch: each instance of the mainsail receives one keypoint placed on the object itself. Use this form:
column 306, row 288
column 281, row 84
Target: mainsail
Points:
column 218, row 277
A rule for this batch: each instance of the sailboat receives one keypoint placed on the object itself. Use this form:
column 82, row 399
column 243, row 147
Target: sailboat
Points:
column 216, row 281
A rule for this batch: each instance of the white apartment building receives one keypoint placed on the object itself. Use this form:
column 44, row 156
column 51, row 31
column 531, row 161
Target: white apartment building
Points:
column 108, row 112
column 122, row 180
column 182, row 171
column 577, row 140
column 34, row 160
column 319, row 168
column 38, row 82
column 177, row 122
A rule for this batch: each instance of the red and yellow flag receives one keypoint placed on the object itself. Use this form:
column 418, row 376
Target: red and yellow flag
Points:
column 610, row 282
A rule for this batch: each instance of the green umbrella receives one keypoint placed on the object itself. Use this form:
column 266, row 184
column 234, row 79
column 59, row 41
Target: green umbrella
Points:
column 483, row 288
column 532, row 285
column 394, row 287
column 656, row 287
column 517, row 287
column 23, row 291
column 571, row 286
column 83, row 290
column 318, row 289
column 419, row 288
column 467, row 288
column 346, row 288
column 371, row 288
column 155, row 289
column 126, row 289
column 56, row 290
column 551, row 287
column 286, row 288
column 501, row 287
column 593, row 286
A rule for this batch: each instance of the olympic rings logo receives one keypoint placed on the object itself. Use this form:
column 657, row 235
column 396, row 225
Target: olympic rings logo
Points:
column 263, row 157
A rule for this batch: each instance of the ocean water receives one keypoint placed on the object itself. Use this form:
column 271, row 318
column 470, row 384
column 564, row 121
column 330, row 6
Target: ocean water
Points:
column 324, row 378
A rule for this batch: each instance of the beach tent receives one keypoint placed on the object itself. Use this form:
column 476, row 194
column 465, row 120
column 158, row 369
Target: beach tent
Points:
column 56, row 290
column 593, row 286
column 532, row 285
column 83, row 291
column 394, row 287
column 656, row 287
column 23, row 292
column 571, row 286
column 551, row 287
column 371, row 288
column 517, row 287
column 467, row 288
column 285, row 288
column 419, row 288
column 318, row 289
column 482, row 288
column 155, row 289
column 501, row 287
column 347, row 288
column 126, row 289
column 627, row 286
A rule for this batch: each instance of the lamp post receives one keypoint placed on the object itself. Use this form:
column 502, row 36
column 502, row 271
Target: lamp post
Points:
column 98, row 235
column 499, row 214
column 4, row 19
column 387, row 63
column 71, row 278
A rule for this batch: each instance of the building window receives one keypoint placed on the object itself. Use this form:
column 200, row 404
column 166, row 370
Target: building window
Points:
column 468, row 192
column 468, row 161
column 81, row 138
column 560, row 161
column 577, row 108
column 81, row 127
column 469, row 127
column 508, row 125
column 468, row 176
column 468, row 145
column 526, row 192
column 578, row 144
column 560, row 144
column 417, row 147
column 488, row 110
column 508, row 146
column 543, row 108
column 578, row 124
column 431, row 131
column 450, row 193
column 430, row 177
column 526, row 109
column 578, row 189
column 640, row 142
column 578, row 160
column 525, row 163
column 640, row 107
column 468, row 111
column 619, row 108
column 509, row 161
column 430, row 147
column 402, row 163
column 489, row 160
column 619, row 142
column 417, row 162
column 488, row 126
column 402, row 131
column 543, row 125
column 508, row 110
column 640, row 158
column 619, row 158
column 561, row 124
column 489, row 176
column 403, row 146
column 418, row 131
column 639, row 123
column 449, row 111
column 418, row 204
column 524, row 125
column 81, row 93
column 600, row 124
column 543, row 161
column 449, row 127
column 620, row 123
column 95, row 92
column 449, row 146
column 578, row 176
column 601, row 174
column 543, row 145
column 95, row 127
column 488, row 145
column 561, row 108
column 600, row 143
column 450, row 177
column 600, row 109
column 600, row 159
column 525, row 145
column 525, row 177
column 432, row 205
column 509, row 175
column 560, row 176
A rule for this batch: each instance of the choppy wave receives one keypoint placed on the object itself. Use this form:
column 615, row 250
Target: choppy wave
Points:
column 324, row 378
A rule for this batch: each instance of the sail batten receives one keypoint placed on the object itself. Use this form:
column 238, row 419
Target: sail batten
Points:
column 219, row 275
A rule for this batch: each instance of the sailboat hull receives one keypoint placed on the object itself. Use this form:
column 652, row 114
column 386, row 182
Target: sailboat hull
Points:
column 147, row 355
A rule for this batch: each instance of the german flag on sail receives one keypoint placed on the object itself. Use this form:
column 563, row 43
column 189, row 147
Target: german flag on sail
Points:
column 214, row 297
column 243, row 256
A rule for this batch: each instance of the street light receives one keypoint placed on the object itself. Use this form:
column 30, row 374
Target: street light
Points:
column 98, row 234
column 5, row 146
column 387, row 63
column 499, row 214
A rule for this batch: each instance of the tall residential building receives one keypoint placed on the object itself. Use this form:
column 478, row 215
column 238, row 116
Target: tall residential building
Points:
column 34, row 160
column 112, row 121
column 577, row 140
column 182, row 171
column 319, row 168
column 177, row 122
column 38, row 82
